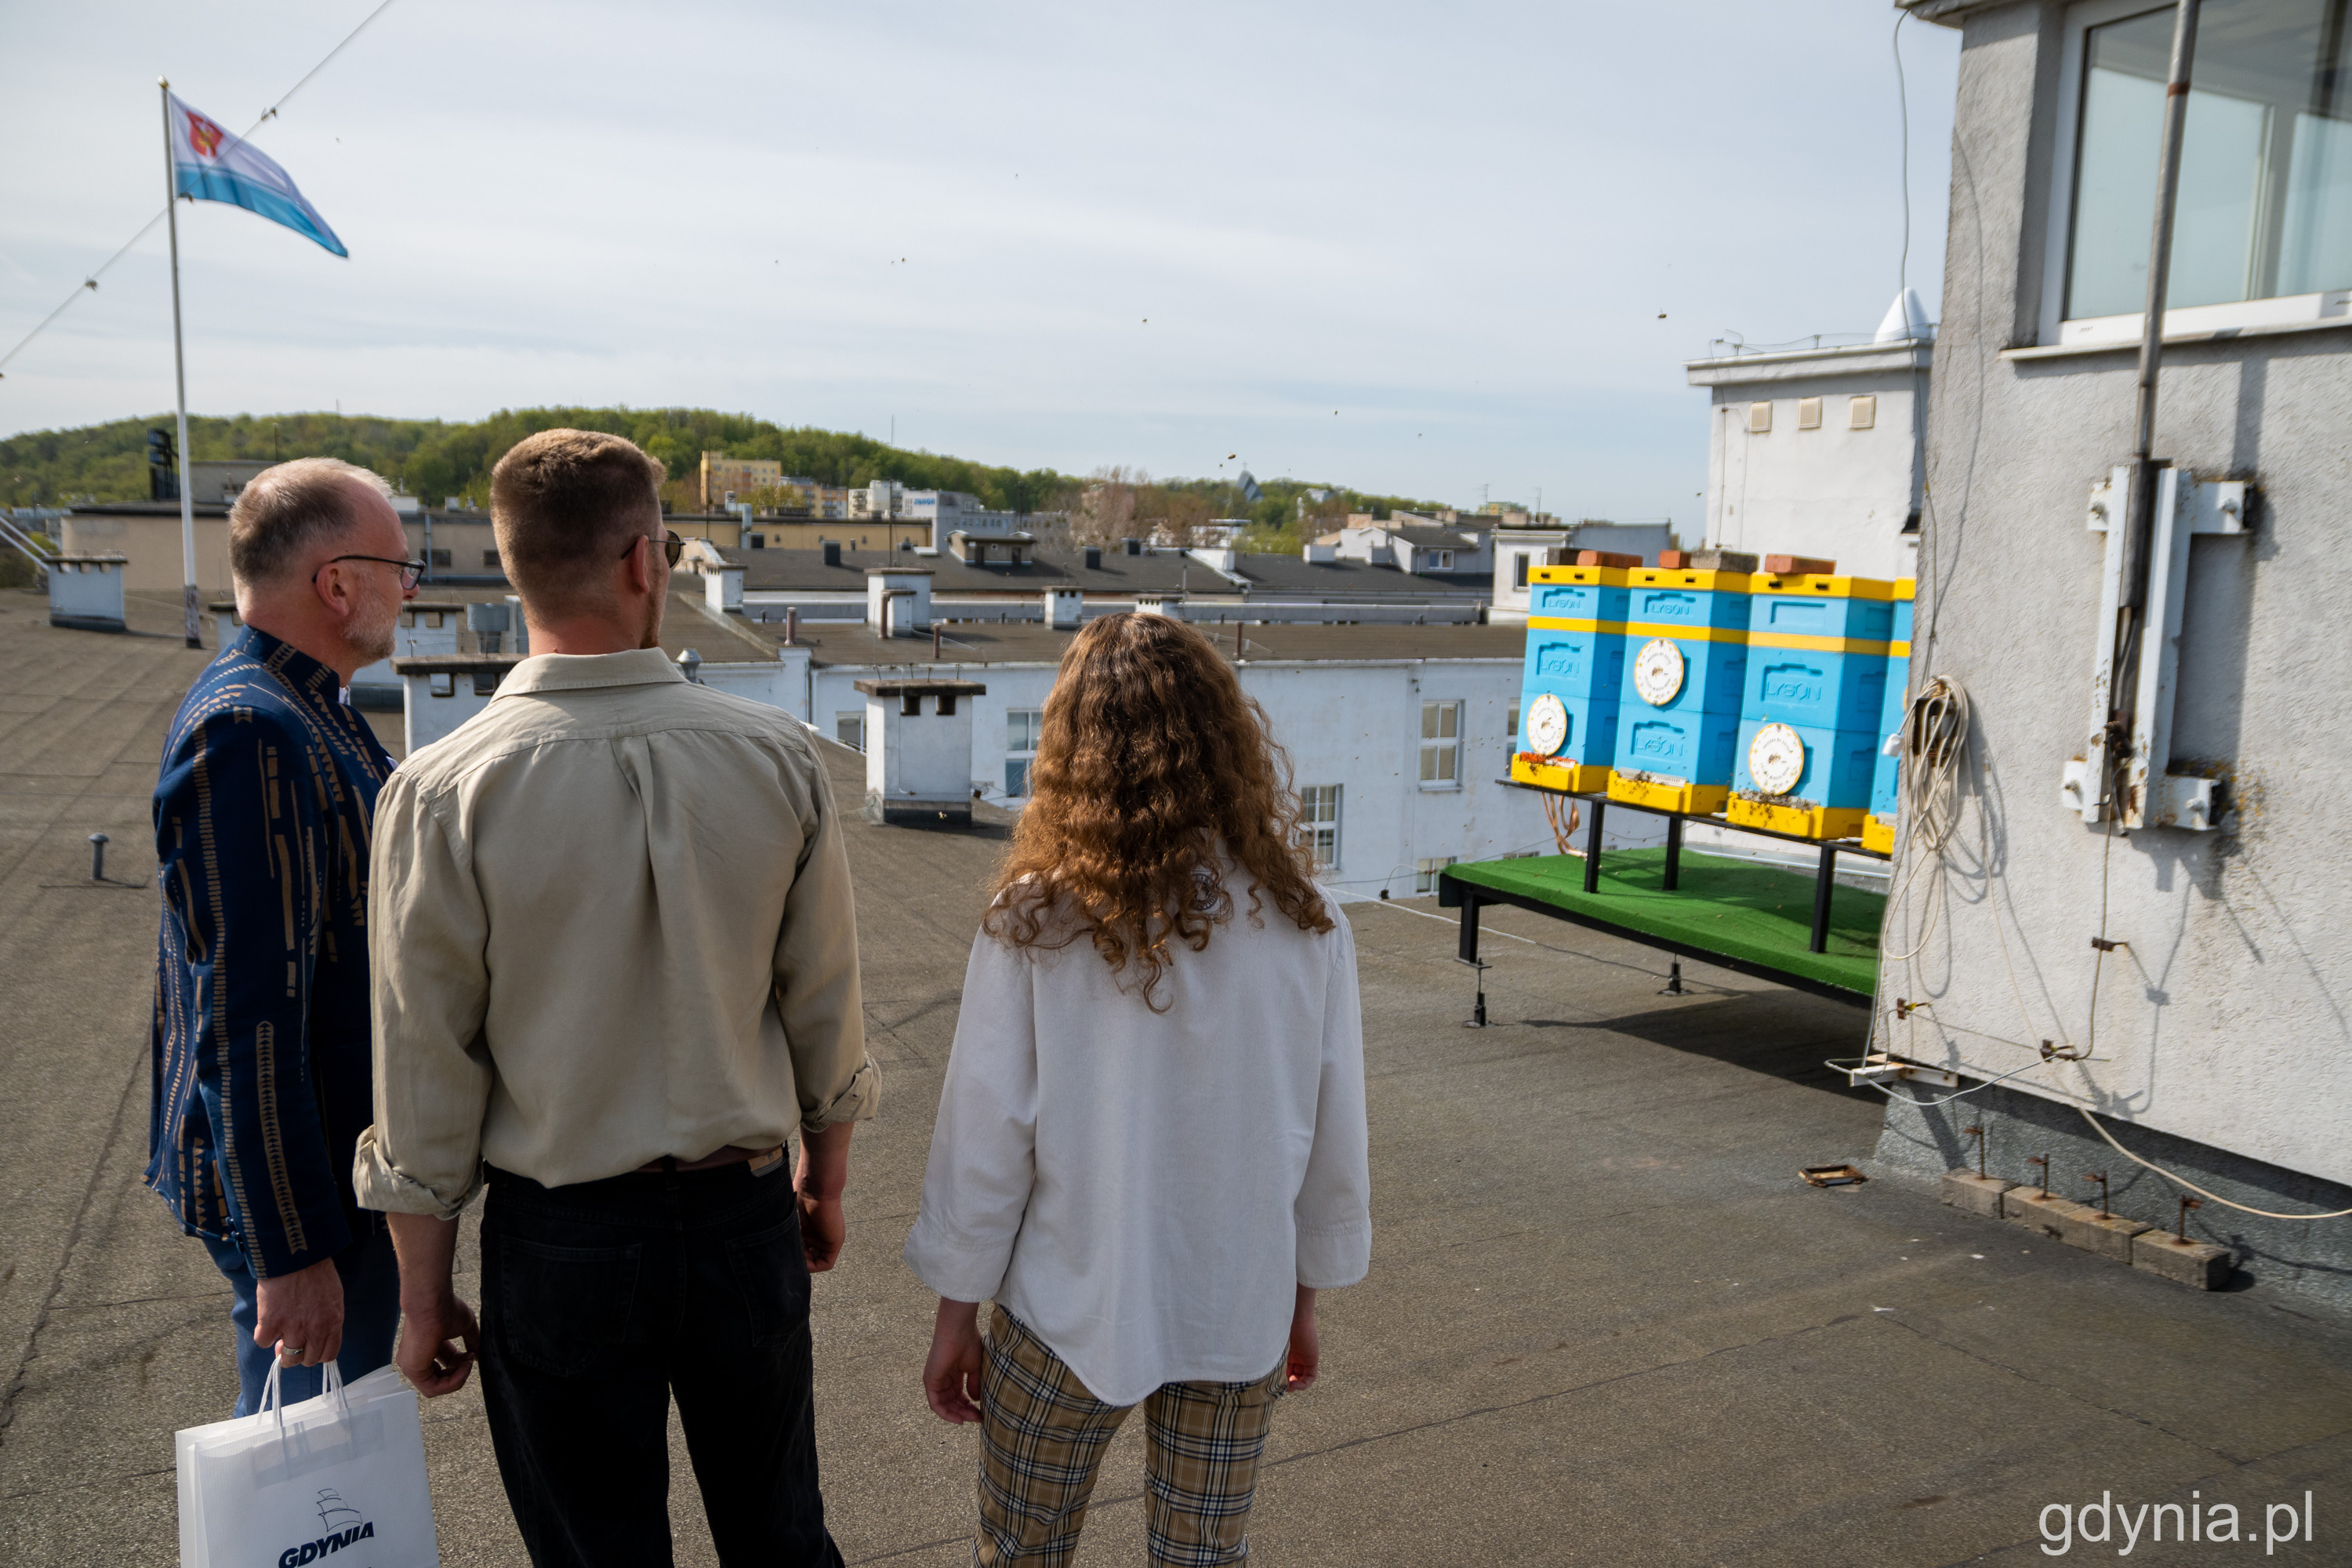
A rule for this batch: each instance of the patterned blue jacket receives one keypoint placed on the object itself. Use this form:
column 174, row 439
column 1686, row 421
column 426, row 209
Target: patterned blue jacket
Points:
column 261, row 1033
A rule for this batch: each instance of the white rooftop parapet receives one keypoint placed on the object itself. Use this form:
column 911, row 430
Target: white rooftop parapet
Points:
column 86, row 592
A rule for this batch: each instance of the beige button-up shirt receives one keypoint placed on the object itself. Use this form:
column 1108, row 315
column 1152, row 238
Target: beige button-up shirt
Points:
column 610, row 920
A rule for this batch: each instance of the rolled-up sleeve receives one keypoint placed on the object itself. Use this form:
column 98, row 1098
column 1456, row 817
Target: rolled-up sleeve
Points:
column 1334, row 1212
column 815, row 986
column 428, row 935
column 983, row 1149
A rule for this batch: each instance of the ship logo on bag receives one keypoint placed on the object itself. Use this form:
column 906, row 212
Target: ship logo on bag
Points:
column 343, row 1524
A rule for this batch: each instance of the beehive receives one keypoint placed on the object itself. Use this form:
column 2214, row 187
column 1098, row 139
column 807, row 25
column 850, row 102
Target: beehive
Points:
column 1678, row 704
column 1575, row 659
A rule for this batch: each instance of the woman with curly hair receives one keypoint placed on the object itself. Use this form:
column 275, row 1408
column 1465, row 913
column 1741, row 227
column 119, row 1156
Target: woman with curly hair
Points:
column 1152, row 1147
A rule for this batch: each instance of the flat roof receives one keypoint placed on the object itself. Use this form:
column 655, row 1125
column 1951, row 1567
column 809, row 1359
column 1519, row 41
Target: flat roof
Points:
column 1586, row 1221
column 1153, row 572
column 1033, row 642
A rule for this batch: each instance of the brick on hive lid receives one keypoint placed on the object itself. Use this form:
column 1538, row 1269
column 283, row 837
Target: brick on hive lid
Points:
column 1799, row 566
column 1674, row 560
column 1718, row 561
column 1605, row 558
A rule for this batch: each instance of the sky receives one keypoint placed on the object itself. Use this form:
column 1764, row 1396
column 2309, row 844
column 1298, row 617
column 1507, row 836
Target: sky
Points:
column 1453, row 251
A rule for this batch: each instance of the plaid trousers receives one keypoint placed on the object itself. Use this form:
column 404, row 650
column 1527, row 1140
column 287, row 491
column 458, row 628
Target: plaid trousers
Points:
column 1042, row 1441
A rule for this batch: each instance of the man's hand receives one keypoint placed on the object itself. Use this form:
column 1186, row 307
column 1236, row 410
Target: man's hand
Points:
column 951, row 1374
column 817, row 1181
column 438, row 1341
column 302, row 1314
column 438, row 1335
column 1306, row 1351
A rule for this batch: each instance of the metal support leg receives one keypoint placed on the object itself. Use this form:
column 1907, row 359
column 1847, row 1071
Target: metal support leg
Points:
column 1822, row 886
column 1468, row 952
column 1592, row 847
column 1674, row 853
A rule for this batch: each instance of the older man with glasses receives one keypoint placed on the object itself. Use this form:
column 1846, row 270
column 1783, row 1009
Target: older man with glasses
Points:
column 263, row 812
column 617, row 972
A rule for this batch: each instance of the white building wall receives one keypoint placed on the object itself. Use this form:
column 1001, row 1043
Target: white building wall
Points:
column 1833, row 491
column 1357, row 725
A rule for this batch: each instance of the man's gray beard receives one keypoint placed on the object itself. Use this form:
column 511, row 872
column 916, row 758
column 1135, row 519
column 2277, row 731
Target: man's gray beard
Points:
column 377, row 635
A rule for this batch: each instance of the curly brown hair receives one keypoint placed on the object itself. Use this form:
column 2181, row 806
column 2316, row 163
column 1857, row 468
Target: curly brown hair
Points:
column 1152, row 754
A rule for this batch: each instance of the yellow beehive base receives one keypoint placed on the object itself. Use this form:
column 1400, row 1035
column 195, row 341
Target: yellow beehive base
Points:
column 1797, row 821
column 1669, row 794
column 1878, row 833
column 1576, row 778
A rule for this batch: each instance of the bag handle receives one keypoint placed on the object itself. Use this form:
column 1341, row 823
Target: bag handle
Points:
column 273, row 1399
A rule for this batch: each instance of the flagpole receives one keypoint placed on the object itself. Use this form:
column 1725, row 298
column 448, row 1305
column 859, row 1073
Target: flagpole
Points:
column 180, row 371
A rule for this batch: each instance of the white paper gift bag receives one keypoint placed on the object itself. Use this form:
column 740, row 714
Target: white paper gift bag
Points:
column 340, row 1477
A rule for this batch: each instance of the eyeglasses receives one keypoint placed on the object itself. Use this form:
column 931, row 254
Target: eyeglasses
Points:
column 672, row 545
column 410, row 571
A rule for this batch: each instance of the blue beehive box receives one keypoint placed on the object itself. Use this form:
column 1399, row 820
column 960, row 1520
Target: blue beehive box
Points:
column 1575, row 658
column 1817, row 648
column 1886, row 781
column 1678, row 704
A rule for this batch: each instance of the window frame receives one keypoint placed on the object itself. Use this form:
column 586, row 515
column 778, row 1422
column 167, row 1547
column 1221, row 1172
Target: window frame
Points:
column 1312, row 828
column 1033, row 722
column 841, row 715
column 1441, row 744
column 2053, row 329
column 1425, row 872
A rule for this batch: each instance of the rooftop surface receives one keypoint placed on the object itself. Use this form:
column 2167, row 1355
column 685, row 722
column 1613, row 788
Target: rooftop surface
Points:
column 1031, row 642
column 1605, row 1323
column 805, row 571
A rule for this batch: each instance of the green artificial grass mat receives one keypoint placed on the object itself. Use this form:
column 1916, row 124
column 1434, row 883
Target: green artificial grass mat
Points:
column 1756, row 914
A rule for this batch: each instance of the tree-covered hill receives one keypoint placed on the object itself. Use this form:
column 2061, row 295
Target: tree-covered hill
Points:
column 434, row 459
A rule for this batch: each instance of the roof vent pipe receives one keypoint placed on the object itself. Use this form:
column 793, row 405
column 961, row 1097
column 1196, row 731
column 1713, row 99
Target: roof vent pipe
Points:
column 831, row 552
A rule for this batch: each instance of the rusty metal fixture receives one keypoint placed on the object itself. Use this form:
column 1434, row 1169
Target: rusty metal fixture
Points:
column 2180, row 1231
column 1979, row 1134
column 2100, row 1177
column 2043, row 1160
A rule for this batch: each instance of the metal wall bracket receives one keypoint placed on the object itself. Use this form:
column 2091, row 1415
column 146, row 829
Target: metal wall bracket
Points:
column 2185, row 507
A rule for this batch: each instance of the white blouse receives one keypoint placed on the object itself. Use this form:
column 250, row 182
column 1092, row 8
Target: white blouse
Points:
column 1145, row 1190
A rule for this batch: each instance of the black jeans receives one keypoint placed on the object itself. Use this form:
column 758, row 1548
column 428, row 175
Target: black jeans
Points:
column 600, row 1300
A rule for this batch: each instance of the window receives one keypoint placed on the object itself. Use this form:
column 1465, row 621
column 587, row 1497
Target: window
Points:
column 2265, row 201
column 849, row 729
column 1441, row 561
column 1440, row 745
column 439, row 557
column 1022, row 726
column 1424, row 873
column 1512, row 733
column 1809, row 414
column 1518, row 569
column 490, row 558
column 1318, row 822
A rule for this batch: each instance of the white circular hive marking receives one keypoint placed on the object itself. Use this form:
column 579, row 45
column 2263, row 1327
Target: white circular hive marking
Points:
column 1546, row 725
column 1776, row 759
column 1658, row 671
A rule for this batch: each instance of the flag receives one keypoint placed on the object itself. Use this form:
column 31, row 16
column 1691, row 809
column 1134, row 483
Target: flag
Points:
column 212, row 166
column 1250, row 493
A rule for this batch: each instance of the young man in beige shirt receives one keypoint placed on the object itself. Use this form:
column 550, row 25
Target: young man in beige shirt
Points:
column 615, row 969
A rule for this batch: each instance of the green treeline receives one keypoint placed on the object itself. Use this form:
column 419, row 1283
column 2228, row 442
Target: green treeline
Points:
column 434, row 459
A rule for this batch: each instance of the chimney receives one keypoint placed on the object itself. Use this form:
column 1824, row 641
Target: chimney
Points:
column 489, row 625
column 1064, row 608
column 831, row 552
column 1134, row 546
column 1094, row 557
column 919, row 751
